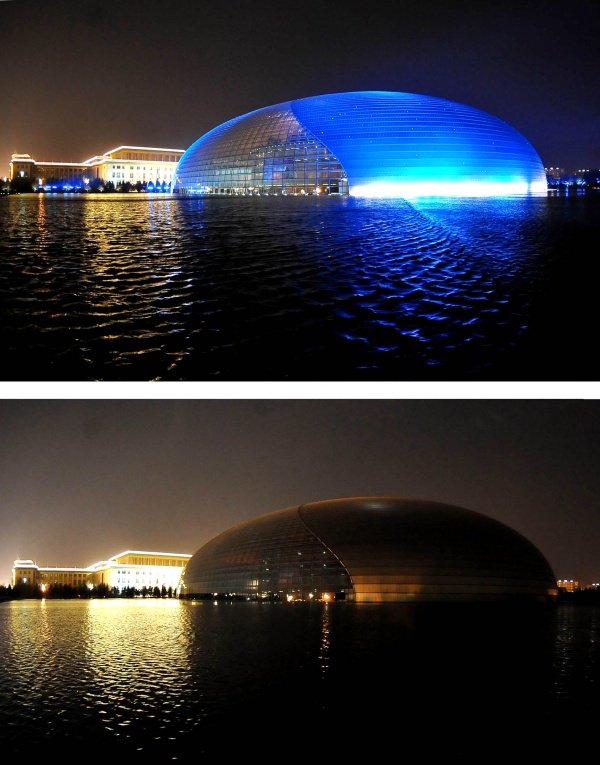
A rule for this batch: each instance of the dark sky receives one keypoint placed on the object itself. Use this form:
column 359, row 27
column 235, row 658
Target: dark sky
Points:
column 81, row 77
column 82, row 480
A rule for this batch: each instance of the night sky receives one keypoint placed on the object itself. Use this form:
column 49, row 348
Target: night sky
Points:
column 82, row 480
column 81, row 77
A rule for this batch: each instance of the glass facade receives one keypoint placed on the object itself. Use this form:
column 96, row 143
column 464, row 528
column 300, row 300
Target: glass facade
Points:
column 274, row 557
column 370, row 549
column 266, row 152
column 372, row 143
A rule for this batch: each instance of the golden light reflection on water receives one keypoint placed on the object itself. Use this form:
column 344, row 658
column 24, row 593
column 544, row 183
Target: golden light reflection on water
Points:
column 132, row 650
column 324, row 652
column 144, row 676
column 115, row 653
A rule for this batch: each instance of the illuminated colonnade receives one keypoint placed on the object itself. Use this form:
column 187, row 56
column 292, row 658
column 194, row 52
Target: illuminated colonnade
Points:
column 130, row 569
column 124, row 164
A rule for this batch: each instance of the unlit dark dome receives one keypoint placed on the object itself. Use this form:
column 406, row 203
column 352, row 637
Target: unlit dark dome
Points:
column 370, row 549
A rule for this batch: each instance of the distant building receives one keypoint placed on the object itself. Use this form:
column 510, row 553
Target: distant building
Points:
column 573, row 180
column 125, row 164
column 21, row 166
column 132, row 568
column 569, row 585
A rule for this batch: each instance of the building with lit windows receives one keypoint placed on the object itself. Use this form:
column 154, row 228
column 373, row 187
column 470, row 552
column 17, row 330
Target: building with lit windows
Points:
column 125, row 164
column 568, row 585
column 369, row 550
column 132, row 568
column 21, row 166
column 369, row 143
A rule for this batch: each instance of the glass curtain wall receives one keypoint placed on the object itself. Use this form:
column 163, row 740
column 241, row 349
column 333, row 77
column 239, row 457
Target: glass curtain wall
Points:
column 267, row 152
column 269, row 558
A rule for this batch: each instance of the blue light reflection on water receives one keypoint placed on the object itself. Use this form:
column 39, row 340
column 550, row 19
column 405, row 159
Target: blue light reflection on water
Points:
column 137, row 287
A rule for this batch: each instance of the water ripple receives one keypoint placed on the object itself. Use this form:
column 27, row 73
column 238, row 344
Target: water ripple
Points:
column 136, row 288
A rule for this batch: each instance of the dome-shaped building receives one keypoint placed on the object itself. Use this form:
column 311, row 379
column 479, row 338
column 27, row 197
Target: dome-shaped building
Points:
column 368, row 143
column 370, row 549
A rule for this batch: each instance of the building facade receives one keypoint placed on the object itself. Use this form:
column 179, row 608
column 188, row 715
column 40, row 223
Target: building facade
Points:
column 152, row 167
column 370, row 550
column 136, row 569
column 369, row 144
column 569, row 585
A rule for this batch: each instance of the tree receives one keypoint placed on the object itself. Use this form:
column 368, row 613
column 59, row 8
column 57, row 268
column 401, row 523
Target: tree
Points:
column 23, row 591
column 22, row 186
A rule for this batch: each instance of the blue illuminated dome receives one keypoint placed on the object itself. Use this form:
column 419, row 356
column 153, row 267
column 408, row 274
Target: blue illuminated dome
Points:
column 370, row 143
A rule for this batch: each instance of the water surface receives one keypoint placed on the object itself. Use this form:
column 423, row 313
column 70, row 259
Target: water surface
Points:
column 169, row 680
column 142, row 287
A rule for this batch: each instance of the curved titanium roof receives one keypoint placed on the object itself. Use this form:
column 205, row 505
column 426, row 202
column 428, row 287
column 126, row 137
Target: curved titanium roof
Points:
column 371, row 549
column 385, row 144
